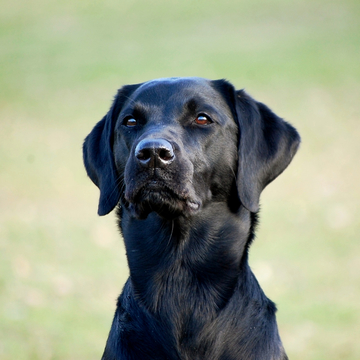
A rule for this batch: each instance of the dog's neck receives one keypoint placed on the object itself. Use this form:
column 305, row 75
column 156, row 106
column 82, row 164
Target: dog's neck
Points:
column 167, row 263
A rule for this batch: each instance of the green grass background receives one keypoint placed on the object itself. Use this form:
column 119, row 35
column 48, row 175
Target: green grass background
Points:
column 62, row 267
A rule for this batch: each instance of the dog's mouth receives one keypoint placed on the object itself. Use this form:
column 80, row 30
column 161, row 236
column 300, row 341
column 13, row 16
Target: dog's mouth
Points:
column 155, row 196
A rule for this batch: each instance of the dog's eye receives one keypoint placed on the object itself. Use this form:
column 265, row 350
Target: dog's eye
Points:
column 203, row 119
column 130, row 122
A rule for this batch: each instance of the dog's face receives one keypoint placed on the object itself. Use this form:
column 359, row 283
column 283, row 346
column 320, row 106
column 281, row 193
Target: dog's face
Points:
column 172, row 146
column 175, row 142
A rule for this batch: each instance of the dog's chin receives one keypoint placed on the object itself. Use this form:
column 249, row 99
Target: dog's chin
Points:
column 164, row 202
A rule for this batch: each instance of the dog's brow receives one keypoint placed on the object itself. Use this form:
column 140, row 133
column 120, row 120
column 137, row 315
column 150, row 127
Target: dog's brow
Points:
column 198, row 104
column 136, row 109
column 191, row 104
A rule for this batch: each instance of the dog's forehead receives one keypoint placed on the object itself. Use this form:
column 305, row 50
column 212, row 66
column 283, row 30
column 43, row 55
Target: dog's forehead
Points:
column 175, row 83
column 178, row 90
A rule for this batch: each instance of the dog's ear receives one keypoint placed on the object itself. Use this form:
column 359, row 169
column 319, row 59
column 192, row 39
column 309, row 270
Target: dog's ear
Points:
column 98, row 154
column 267, row 145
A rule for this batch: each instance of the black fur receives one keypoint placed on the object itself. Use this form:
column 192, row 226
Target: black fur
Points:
column 187, row 191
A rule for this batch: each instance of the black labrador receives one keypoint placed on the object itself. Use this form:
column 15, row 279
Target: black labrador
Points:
column 185, row 160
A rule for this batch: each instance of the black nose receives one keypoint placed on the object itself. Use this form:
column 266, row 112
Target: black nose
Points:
column 154, row 153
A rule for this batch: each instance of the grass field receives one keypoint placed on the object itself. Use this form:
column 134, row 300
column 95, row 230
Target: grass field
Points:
column 62, row 267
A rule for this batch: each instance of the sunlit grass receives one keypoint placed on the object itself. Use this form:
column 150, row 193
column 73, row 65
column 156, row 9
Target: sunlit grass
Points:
column 62, row 267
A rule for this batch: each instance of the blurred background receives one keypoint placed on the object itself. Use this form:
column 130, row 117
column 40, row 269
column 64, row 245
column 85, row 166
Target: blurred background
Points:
column 61, row 62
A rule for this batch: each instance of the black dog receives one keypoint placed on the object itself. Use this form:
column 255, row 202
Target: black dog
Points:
column 186, row 160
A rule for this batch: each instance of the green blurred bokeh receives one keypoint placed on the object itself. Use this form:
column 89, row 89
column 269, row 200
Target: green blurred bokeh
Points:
column 62, row 267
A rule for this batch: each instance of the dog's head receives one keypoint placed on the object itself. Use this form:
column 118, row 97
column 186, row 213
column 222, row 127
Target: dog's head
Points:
column 174, row 145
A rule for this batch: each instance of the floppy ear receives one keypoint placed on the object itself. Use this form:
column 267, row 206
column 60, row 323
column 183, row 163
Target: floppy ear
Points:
column 267, row 145
column 98, row 155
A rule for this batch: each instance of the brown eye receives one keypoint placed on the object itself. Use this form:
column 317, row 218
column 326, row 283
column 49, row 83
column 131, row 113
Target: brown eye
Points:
column 203, row 119
column 130, row 122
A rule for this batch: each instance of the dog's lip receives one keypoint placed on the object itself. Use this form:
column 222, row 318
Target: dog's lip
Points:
column 193, row 206
column 155, row 185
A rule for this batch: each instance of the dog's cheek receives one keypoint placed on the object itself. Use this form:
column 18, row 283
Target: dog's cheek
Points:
column 201, row 178
column 121, row 156
column 223, row 164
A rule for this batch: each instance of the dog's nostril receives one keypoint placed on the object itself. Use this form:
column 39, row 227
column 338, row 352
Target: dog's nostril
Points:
column 143, row 154
column 166, row 154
